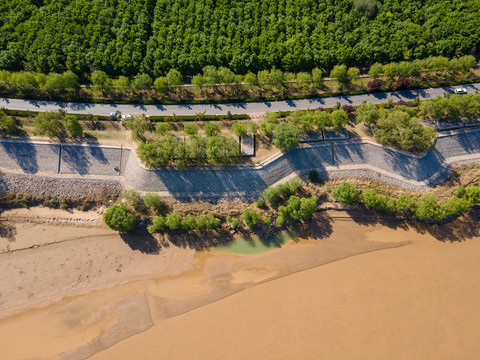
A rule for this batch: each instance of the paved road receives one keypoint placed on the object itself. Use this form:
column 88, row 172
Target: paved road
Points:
column 234, row 108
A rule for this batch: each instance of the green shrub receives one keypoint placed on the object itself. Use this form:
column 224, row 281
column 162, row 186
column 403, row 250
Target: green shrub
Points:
column 138, row 125
column 222, row 150
column 239, row 129
column 461, row 192
column 158, row 152
column 260, row 203
column 211, row 129
column 286, row 136
column 208, row 222
column 72, row 125
column 173, row 220
column 133, row 201
column 253, row 128
column 400, row 128
column 267, row 128
column 377, row 202
column 295, row 184
column 48, row 124
column 339, row 73
column 428, row 209
column 189, row 223
column 7, row 124
column 472, row 193
column 250, row 216
column 346, row 193
column 297, row 209
column 367, row 113
column 266, row 221
column 119, row 218
column 142, row 82
column 235, row 223
column 190, row 129
column 284, row 189
column 455, row 205
column 308, row 207
column 339, row 119
column 158, row 223
column 405, row 204
column 271, row 194
column 153, row 201
column 163, row 128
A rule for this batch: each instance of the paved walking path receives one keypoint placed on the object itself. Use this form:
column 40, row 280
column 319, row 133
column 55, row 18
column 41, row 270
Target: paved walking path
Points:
column 331, row 159
column 234, row 108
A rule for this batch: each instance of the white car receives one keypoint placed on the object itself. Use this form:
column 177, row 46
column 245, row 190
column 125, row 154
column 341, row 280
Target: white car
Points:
column 460, row 91
column 127, row 116
column 114, row 115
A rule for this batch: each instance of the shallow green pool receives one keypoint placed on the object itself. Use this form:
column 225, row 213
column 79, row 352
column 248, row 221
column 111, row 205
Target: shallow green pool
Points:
column 257, row 246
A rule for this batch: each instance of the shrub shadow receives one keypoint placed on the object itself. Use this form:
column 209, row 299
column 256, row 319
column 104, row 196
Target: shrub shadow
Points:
column 200, row 239
column 8, row 231
column 142, row 241
column 460, row 229
column 364, row 216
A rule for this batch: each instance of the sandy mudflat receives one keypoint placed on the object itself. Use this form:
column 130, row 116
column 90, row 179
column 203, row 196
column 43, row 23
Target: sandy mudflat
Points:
column 420, row 301
column 404, row 295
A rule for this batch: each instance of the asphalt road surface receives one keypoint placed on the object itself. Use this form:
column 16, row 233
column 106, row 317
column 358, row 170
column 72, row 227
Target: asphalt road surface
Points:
column 234, row 108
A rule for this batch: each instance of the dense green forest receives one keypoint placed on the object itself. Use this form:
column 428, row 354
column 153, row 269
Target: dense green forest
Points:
column 127, row 37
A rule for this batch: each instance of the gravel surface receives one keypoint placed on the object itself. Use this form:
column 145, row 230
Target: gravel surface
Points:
column 55, row 186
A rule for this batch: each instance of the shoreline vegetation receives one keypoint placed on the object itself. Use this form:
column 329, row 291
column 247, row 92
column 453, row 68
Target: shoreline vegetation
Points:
column 280, row 207
column 218, row 85
column 287, row 204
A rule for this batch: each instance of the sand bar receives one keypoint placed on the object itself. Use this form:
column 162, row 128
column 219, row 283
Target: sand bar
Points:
column 405, row 290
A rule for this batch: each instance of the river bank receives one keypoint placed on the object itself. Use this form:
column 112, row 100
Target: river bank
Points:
column 57, row 261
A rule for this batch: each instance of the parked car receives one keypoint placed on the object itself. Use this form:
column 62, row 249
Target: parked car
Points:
column 127, row 116
column 460, row 91
column 114, row 115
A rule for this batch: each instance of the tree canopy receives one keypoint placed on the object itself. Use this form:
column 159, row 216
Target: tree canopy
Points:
column 130, row 37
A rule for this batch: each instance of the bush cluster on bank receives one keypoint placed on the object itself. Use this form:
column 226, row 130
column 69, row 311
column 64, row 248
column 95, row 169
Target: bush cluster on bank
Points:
column 425, row 208
column 173, row 221
column 155, row 212
column 277, row 193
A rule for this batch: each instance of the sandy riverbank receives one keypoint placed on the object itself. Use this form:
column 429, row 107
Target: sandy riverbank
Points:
column 416, row 298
